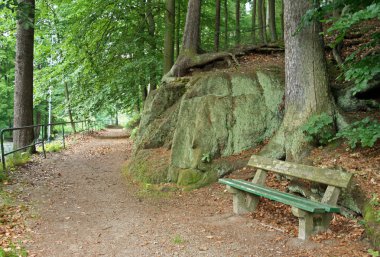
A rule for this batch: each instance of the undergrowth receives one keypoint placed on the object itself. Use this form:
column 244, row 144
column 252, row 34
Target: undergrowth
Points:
column 13, row 161
column 364, row 133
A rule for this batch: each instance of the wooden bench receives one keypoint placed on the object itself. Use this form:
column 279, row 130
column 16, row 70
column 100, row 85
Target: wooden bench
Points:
column 313, row 216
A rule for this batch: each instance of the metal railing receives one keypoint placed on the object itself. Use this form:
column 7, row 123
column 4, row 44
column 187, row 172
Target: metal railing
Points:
column 36, row 141
column 40, row 140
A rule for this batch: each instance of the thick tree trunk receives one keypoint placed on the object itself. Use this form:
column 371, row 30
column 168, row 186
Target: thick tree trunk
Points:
column 152, row 43
column 225, row 24
column 261, row 21
column 272, row 19
column 264, row 17
column 237, row 28
column 68, row 104
column 190, row 43
column 306, row 84
column 253, row 34
column 282, row 20
column 217, row 25
column 169, row 35
column 23, row 92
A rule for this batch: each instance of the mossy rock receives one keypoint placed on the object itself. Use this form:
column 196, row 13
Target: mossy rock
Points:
column 188, row 177
column 150, row 166
column 372, row 224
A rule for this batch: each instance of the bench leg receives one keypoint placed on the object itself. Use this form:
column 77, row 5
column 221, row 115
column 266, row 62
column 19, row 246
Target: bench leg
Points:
column 243, row 202
column 310, row 223
column 322, row 222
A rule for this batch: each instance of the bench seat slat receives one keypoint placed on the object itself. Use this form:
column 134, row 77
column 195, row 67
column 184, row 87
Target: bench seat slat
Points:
column 292, row 197
column 289, row 199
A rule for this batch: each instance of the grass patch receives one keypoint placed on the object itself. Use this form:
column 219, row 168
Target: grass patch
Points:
column 177, row 239
column 149, row 190
column 52, row 147
column 13, row 161
column 13, row 251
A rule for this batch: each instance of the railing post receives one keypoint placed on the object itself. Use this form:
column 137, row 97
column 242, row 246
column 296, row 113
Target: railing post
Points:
column 43, row 140
column 63, row 136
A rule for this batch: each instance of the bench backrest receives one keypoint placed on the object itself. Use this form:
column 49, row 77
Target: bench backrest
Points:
column 325, row 176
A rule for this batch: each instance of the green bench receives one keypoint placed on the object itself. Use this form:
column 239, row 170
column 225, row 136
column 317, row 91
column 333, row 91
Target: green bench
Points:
column 313, row 216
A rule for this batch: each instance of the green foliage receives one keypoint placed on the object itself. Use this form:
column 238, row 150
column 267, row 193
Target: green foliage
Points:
column 373, row 253
column 319, row 129
column 53, row 147
column 360, row 70
column 365, row 132
column 206, row 158
column 13, row 252
column 12, row 161
column 177, row 239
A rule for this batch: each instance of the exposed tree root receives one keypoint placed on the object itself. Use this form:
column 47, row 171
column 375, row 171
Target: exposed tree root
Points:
column 187, row 61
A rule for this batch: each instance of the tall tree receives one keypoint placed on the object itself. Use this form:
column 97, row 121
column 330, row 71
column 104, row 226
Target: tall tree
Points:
column 152, row 42
column 23, row 94
column 190, row 42
column 272, row 19
column 226, row 24
column 253, row 21
column 178, row 27
column 217, row 25
column 169, row 35
column 306, row 82
column 237, row 28
column 68, row 106
column 260, row 17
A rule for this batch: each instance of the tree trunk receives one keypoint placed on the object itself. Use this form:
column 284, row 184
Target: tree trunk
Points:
column 190, row 44
column 264, row 16
column 67, row 95
column 253, row 34
column 225, row 24
column 306, row 84
column 23, row 93
column 272, row 20
column 217, row 25
column 152, row 43
column 282, row 20
column 178, row 29
column 169, row 35
column 261, row 21
column 237, row 29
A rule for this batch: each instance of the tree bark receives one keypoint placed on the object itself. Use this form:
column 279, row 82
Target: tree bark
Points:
column 178, row 27
column 272, row 20
column 261, row 21
column 152, row 43
column 217, row 25
column 67, row 95
column 306, row 84
column 191, row 37
column 225, row 24
column 237, row 29
column 282, row 20
column 253, row 34
column 169, row 35
column 23, row 93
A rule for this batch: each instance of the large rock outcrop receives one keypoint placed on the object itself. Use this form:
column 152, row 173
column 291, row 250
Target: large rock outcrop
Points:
column 211, row 116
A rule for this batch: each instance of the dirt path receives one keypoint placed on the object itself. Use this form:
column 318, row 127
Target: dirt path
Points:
column 84, row 206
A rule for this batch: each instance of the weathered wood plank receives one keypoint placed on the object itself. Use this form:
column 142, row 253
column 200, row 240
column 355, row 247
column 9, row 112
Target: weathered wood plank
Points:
column 325, row 176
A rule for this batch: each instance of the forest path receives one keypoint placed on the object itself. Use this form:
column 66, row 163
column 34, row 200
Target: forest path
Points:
column 84, row 206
